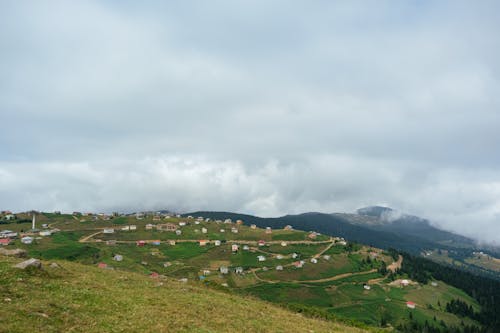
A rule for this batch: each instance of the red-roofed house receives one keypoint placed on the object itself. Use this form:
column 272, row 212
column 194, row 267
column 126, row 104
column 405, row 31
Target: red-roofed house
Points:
column 410, row 305
column 140, row 243
column 4, row 241
column 102, row 265
column 154, row 275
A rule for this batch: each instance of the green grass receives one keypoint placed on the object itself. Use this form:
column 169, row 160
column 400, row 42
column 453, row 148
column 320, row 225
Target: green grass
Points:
column 77, row 298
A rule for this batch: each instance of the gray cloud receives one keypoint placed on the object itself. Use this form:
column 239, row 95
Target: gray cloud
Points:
column 267, row 108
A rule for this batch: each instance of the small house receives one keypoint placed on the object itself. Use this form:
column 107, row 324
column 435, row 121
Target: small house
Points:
column 234, row 230
column 166, row 227
column 269, row 230
column 234, row 247
column 178, row 232
column 246, row 247
column 196, row 222
column 261, row 258
column 294, row 255
column 410, row 305
column 223, row 270
column 279, row 268
column 366, row 287
column 133, row 227
column 118, row 257
column 45, row 226
column 27, row 240
column 171, row 242
column 279, row 256
column 284, row 243
column 108, row 231
column 298, row 264
column 149, row 226
column 405, row 282
column 204, row 230
column 312, row 235
column 102, row 265
column 228, row 221
column 182, row 224
column 157, row 218
column 167, row 264
column 154, row 275
column 111, row 242
column 327, row 257
column 190, row 217
column 239, row 222
column 262, row 242
column 239, row 270
column 253, row 226
column 45, row 233
column 206, row 272
column 314, row 260
column 4, row 241
column 156, row 242
column 217, row 242
column 222, row 230
column 126, row 228
column 203, row 242
column 140, row 243
column 288, row 227
column 434, row 284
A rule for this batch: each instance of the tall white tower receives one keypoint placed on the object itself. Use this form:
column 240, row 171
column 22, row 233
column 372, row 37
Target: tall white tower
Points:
column 33, row 221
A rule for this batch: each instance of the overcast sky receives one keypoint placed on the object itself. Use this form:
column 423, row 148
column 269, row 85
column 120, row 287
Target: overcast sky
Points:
column 260, row 107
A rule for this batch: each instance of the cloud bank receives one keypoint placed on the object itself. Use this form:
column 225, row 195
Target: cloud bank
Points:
column 259, row 107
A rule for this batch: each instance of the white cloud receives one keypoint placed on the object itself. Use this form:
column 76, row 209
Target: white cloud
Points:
column 280, row 107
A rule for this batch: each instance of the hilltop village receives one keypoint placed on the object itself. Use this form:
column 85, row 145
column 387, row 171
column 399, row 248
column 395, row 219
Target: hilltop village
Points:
column 305, row 269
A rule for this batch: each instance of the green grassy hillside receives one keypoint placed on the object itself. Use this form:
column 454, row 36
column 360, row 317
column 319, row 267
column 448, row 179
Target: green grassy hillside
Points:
column 80, row 298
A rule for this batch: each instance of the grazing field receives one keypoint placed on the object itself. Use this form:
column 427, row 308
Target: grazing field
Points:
column 323, row 276
column 78, row 298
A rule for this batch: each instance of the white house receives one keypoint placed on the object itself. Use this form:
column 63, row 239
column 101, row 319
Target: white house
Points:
column 284, row 244
column 234, row 247
column 223, row 270
column 234, row 230
column 314, row 260
column 253, row 226
column 279, row 268
column 126, row 228
column 405, row 282
column 217, row 243
column 178, row 232
column 45, row 233
column 133, row 227
column 434, row 284
column 239, row 270
column 182, row 224
column 118, row 257
column 294, row 255
column 327, row 257
column 108, row 231
column 222, row 230
column 366, row 287
column 279, row 256
column 204, row 230
column 228, row 221
column 149, row 226
column 261, row 258
column 246, row 248
column 27, row 240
